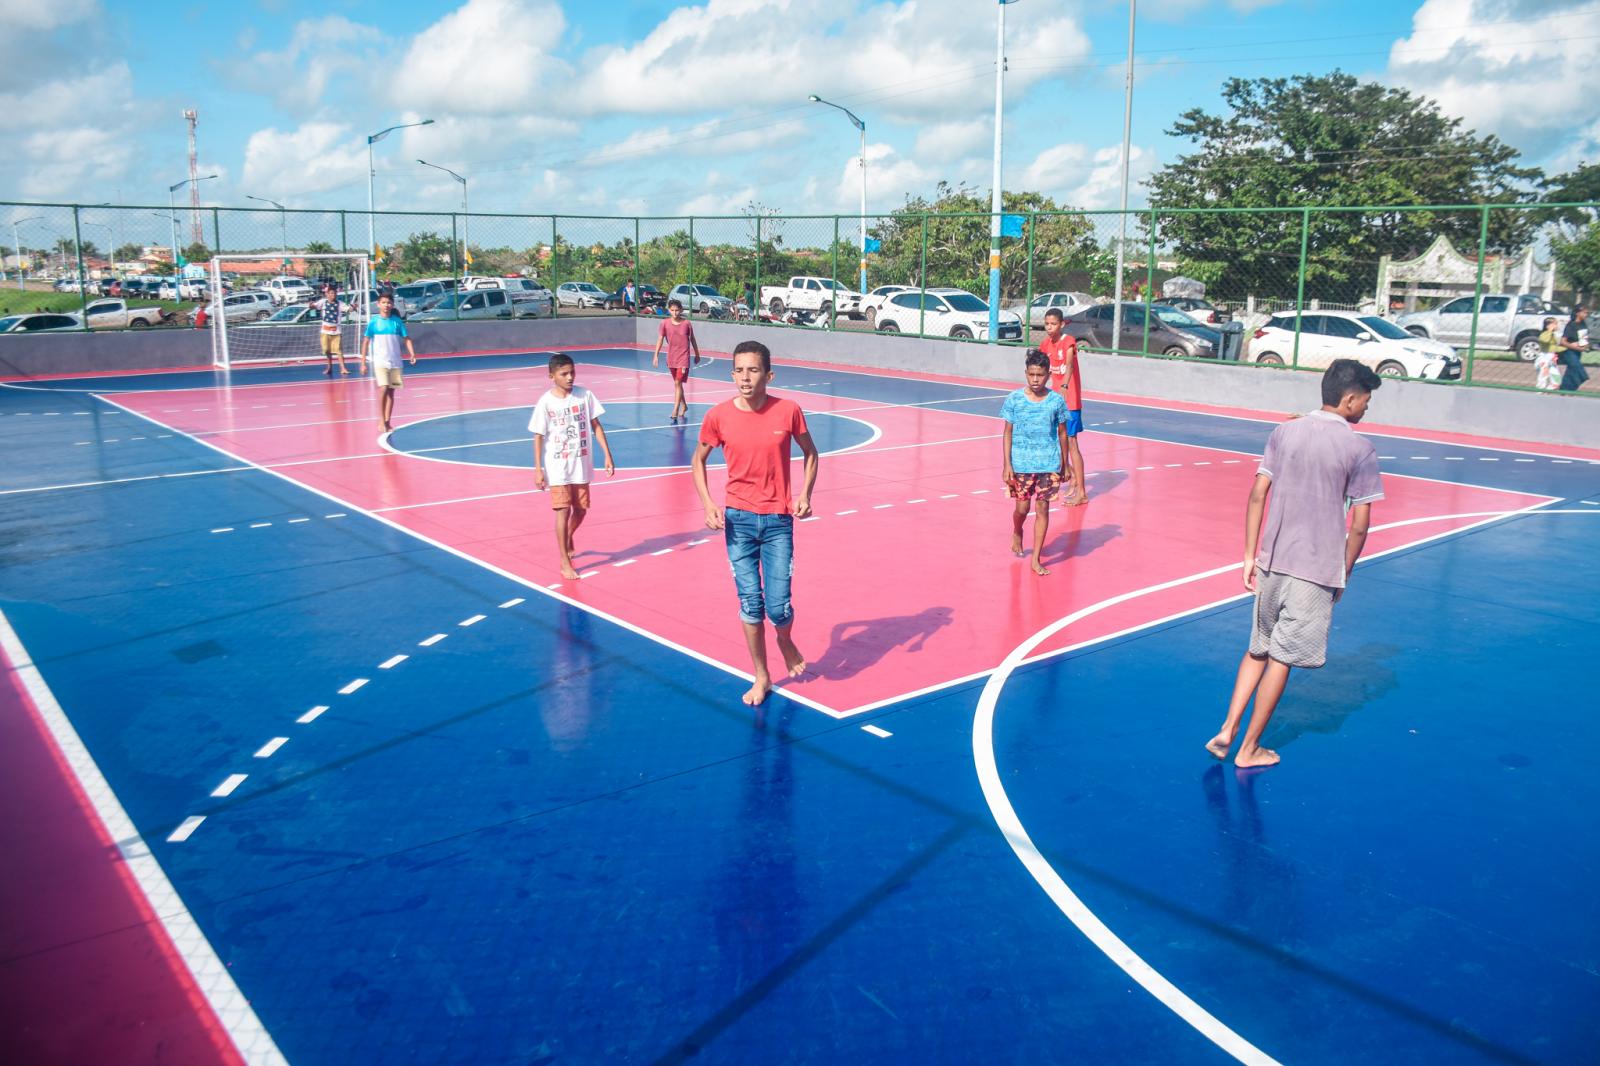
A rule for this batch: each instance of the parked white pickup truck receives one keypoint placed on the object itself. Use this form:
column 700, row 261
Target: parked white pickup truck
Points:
column 822, row 295
column 116, row 314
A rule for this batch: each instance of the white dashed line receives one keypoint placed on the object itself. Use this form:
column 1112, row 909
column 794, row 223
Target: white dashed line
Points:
column 841, row 514
column 625, row 562
column 223, row 529
column 1487, row 459
column 663, row 551
column 1421, row 457
column 950, row 496
column 353, row 686
column 297, row 521
column 474, row 620
column 339, row 514
column 875, row 731
column 1144, row 468
column 231, row 782
column 553, row 585
column 1522, row 460
column 881, row 506
column 259, row 525
column 392, row 661
column 431, row 641
column 702, row 540
column 186, row 830
column 916, row 501
column 979, row 492
column 512, row 603
column 312, row 715
column 266, row 750
column 590, row 573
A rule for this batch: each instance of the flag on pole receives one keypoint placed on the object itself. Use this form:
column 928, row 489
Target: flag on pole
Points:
column 377, row 253
column 1011, row 225
column 466, row 255
column 874, row 245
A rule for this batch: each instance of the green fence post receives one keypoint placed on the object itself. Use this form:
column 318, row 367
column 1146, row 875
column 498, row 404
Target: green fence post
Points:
column 1477, row 290
column 833, row 295
column 1027, row 299
column 216, row 232
column 344, row 236
column 922, row 282
column 755, row 312
column 638, row 294
column 690, row 279
column 83, row 284
column 1300, row 287
column 1149, row 282
column 555, row 268
column 455, row 266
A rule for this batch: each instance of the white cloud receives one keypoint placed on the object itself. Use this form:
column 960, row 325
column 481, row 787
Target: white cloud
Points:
column 1516, row 69
column 296, row 163
column 896, row 59
column 1076, row 176
column 61, row 160
column 320, row 50
column 43, row 14
column 945, row 141
column 487, row 57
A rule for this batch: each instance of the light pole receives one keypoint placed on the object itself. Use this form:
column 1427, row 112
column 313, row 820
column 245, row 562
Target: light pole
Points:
column 465, row 226
column 172, row 206
column 283, row 225
column 16, row 244
column 1122, row 234
column 372, row 139
column 994, row 207
column 862, row 126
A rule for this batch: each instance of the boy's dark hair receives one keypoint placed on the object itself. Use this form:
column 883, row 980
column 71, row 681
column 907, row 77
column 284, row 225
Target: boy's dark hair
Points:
column 674, row 303
column 1346, row 376
column 1036, row 357
column 559, row 360
column 758, row 348
column 1056, row 313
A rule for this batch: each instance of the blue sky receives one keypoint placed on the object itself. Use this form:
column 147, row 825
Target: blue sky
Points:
column 649, row 106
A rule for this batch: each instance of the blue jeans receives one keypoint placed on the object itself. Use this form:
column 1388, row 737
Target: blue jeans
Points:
column 1574, row 374
column 761, row 549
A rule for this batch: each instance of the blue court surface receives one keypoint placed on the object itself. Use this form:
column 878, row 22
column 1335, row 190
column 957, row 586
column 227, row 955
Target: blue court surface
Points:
column 533, row 833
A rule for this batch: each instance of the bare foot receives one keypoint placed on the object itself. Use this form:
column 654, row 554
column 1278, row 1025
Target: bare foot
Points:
column 1078, row 498
column 568, row 572
column 1039, row 568
column 791, row 656
column 1218, row 746
column 1256, row 757
column 387, row 428
column 758, row 693
column 1016, row 546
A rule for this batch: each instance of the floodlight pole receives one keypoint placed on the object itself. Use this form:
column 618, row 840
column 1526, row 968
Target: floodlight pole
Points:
column 994, row 207
column 283, row 224
column 16, row 244
column 466, row 226
column 862, row 126
column 1122, row 219
column 172, row 208
column 372, row 139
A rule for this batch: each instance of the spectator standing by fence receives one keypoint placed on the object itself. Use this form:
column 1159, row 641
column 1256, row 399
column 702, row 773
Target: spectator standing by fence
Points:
column 1574, row 342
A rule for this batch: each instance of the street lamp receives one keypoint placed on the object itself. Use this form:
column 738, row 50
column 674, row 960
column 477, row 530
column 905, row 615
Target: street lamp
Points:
column 994, row 208
column 372, row 139
column 173, row 207
column 16, row 244
column 465, row 230
column 1122, row 234
column 283, row 225
column 862, row 126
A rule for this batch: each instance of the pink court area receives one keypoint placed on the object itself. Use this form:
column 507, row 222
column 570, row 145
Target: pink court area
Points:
column 904, row 580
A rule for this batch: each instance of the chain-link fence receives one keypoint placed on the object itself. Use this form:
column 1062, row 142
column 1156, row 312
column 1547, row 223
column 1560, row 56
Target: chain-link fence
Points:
column 1452, row 293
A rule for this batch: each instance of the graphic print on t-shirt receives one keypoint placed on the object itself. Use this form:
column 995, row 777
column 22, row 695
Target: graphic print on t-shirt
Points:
column 565, row 424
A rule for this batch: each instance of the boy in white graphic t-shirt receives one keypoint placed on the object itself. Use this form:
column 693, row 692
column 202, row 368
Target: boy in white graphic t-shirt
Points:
column 565, row 426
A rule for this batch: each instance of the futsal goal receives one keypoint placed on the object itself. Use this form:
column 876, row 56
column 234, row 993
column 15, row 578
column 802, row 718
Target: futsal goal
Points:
column 266, row 308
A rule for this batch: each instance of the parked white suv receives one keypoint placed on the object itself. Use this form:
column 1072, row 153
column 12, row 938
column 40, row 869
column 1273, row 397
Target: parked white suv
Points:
column 1377, row 342
column 251, row 305
column 530, row 298
column 945, row 313
column 290, row 290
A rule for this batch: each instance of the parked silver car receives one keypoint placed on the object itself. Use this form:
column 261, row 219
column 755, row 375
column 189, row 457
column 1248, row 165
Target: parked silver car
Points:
column 580, row 294
column 485, row 303
column 1506, row 320
column 418, row 296
column 701, row 299
column 1065, row 302
column 39, row 323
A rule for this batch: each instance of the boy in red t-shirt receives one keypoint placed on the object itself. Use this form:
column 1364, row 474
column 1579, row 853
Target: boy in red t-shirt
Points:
column 754, row 430
column 1063, row 353
column 678, row 335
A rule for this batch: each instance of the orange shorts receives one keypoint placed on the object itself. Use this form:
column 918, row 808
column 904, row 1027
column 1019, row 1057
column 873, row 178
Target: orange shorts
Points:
column 565, row 496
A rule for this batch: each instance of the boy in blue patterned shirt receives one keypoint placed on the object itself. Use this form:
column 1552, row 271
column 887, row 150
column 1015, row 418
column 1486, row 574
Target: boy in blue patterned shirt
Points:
column 1035, row 451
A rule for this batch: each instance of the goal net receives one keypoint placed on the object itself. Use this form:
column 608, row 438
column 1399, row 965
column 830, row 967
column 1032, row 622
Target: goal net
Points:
column 267, row 308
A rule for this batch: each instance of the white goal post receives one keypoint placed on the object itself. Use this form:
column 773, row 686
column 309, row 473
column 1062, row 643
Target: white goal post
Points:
column 254, row 321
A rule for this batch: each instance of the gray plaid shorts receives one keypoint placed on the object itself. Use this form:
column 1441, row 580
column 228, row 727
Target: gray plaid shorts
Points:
column 1292, row 619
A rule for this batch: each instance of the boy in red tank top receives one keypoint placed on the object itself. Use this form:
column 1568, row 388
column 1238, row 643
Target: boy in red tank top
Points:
column 1063, row 353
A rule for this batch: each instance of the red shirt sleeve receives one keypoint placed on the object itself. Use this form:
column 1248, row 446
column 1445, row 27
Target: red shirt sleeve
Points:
column 797, row 422
column 710, row 429
column 661, row 330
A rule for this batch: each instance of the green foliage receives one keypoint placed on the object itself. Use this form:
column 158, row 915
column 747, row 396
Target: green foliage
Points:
column 1317, row 141
column 1578, row 260
column 197, row 253
column 67, row 248
column 420, row 255
column 127, row 253
column 319, row 248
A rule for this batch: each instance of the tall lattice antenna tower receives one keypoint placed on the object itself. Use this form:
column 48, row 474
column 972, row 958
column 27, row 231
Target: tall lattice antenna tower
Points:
column 197, row 228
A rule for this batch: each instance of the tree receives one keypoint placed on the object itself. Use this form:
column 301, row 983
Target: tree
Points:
column 129, row 252
column 67, row 248
column 1576, row 243
column 319, row 248
column 422, row 254
column 1325, row 141
column 197, row 253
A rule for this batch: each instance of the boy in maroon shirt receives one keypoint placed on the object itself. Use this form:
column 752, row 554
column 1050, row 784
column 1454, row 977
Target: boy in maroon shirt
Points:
column 754, row 431
column 678, row 335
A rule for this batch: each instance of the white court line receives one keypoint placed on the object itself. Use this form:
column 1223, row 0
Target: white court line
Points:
column 353, row 686
column 229, row 783
column 270, row 748
column 512, row 602
column 431, row 641
column 877, row 732
column 312, row 715
column 474, row 620
column 392, row 661
column 1039, row 867
column 185, row 829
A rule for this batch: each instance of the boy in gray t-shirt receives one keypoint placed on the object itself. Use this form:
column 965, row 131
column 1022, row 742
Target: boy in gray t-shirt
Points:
column 1320, row 475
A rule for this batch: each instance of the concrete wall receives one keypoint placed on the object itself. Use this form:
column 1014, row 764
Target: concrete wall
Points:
column 1506, row 413
column 42, row 354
